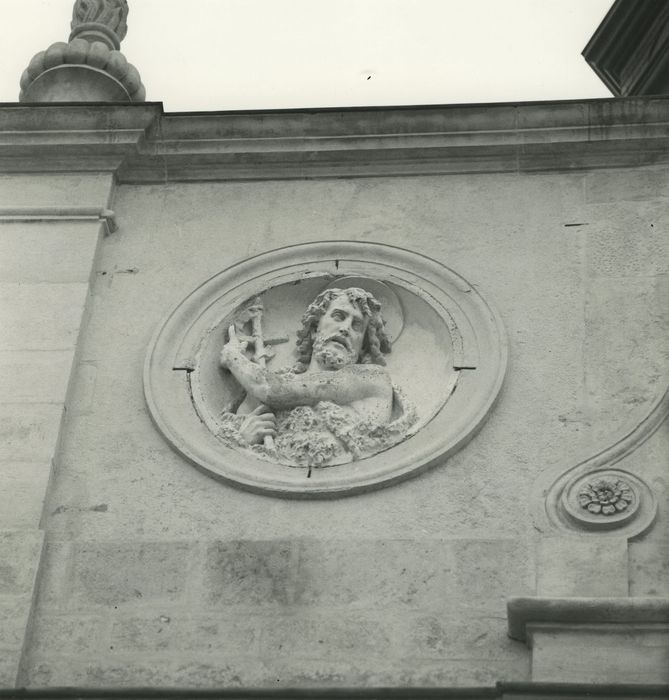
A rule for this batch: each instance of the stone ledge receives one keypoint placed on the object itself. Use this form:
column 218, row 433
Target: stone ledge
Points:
column 32, row 214
column 142, row 144
column 581, row 691
column 524, row 611
column 502, row 690
column 39, row 138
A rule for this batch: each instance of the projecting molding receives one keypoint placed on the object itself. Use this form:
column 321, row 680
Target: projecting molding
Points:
column 524, row 611
column 60, row 213
column 630, row 49
column 141, row 144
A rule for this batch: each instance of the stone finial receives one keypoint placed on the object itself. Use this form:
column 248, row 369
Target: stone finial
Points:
column 100, row 20
column 90, row 68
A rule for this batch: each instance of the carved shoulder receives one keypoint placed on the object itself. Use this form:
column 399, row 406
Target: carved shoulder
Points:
column 371, row 376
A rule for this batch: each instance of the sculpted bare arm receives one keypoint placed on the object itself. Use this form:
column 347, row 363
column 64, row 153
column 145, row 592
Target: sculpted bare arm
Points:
column 346, row 386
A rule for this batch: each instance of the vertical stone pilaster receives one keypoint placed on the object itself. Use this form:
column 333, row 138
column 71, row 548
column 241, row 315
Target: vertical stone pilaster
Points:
column 45, row 266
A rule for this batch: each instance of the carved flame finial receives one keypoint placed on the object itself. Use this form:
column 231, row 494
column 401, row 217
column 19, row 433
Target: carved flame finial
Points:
column 90, row 67
column 100, row 20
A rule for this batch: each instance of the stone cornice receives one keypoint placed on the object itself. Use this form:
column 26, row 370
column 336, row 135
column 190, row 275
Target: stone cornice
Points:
column 524, row 611
column 48, row 138
column 141, row 144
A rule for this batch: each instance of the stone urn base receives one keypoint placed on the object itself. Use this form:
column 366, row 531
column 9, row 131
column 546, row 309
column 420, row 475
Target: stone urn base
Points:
column 75, row 83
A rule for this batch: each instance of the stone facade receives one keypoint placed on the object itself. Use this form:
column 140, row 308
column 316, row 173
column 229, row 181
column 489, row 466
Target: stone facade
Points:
column 131, row 568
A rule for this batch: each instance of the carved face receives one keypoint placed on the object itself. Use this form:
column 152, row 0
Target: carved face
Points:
column 340, row 334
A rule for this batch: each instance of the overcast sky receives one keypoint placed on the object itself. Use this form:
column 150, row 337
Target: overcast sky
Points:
column 198, row 55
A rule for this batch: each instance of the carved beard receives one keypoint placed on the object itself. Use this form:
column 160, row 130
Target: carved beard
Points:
column 333, row 355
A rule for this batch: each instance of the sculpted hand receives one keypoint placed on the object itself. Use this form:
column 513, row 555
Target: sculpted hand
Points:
column 232, row 349
column 257, row 424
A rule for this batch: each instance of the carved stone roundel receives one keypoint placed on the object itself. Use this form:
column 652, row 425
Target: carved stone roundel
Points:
column 381, row 402
column 608, row 499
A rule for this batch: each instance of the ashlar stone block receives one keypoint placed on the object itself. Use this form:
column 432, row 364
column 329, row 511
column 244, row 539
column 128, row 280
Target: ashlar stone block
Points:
column 20, row 552
column 582, row 566
column 223, row 634
column 8, row 668
column 649, row 569
column 41, row 316
column 250, row 573
column 35, row 376
column 13, row 621
column 327, row 636
column 44, row 190
column 70, row 633
column 611, row 654
column 158, row 632
column 52, row 251
column 112, row 573
column 375, row 574
column 489, row 570
column 22, row 491
column 29, row 432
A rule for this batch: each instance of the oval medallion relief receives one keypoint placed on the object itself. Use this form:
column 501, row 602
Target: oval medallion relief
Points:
column 325, row 369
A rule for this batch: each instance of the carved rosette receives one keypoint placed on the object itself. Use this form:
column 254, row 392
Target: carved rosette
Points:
column 606, row 500
column 606, row 496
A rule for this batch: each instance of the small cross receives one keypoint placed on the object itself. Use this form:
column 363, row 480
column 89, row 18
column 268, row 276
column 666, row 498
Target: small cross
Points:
column 247, row 316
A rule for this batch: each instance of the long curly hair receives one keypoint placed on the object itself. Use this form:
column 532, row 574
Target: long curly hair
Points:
column 375, row 342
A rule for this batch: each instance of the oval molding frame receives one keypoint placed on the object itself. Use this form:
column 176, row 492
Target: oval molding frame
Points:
column 479, row 358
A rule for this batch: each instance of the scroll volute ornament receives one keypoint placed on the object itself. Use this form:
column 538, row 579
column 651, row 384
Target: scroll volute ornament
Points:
column 100, row 20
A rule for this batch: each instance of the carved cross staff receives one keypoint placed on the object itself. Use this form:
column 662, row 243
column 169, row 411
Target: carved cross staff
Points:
column 261, row 353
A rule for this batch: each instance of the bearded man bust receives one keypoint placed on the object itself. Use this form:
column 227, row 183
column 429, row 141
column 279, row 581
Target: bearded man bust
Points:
column 336, row 404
